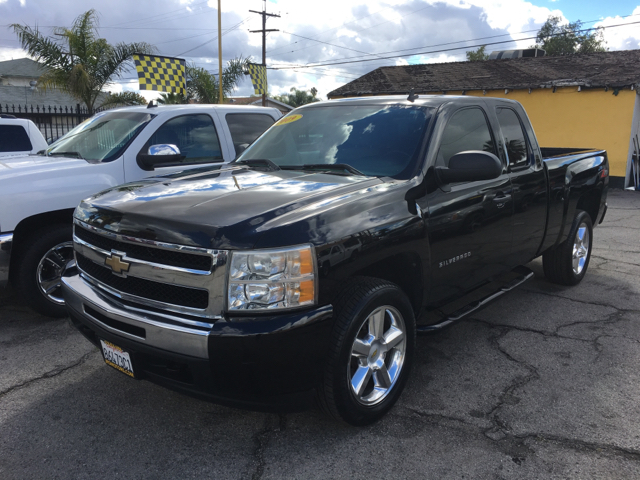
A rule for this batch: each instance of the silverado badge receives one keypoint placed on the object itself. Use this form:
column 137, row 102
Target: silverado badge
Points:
column 117, row 265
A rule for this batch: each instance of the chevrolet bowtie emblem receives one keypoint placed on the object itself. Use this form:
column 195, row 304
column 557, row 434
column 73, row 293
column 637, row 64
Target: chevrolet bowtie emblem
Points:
column 117, row 265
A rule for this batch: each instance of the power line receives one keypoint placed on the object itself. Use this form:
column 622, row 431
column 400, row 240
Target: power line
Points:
column 430, row 52
column 353, row 21
column 449, row 43
column 236, row 26
column 159, row 14
column 170, row 16
column 327, row 43
column 335, row 28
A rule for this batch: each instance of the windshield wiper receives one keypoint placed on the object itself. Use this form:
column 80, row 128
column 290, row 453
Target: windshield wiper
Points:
column 66, row 154
column 259, row 162
column 331, row 167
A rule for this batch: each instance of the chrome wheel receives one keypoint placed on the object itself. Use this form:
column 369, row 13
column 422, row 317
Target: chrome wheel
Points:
column 50, row 269
column 377, row 355
column 581, row 246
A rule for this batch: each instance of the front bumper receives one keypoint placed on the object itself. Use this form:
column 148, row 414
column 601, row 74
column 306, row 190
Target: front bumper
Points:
column 6, row 240
column 261, row 362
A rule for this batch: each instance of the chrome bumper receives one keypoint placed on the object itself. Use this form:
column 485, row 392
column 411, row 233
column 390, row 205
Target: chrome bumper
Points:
column 6, row 239
column 161, row 331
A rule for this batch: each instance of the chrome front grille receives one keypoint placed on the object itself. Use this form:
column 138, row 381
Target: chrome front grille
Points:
column 147, row 253
column 157, row 275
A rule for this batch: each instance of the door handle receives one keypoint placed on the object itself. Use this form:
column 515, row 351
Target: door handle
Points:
column 502, row 199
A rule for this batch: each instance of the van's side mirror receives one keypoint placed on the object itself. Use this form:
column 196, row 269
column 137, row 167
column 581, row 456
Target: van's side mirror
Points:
column 163, row 154
column 470, row 166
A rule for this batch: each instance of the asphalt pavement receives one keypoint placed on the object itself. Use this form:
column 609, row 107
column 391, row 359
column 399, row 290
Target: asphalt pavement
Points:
column 544, row 383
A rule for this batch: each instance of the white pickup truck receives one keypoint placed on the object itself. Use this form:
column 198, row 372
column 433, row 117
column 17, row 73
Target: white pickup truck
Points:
column 38, row 193
column 19, row 136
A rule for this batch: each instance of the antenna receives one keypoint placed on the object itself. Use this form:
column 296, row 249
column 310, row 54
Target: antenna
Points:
column 412, row 96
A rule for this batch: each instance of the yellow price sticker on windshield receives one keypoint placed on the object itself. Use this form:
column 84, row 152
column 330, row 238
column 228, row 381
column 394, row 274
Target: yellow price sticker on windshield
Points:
column 289, row 119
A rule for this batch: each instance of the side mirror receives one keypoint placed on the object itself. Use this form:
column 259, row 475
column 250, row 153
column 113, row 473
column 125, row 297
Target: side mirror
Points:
column 470, row 166
column 159, row 155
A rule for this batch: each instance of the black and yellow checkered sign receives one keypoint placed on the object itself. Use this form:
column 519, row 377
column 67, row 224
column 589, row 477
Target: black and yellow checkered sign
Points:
column 164, row 74
column 258, row 78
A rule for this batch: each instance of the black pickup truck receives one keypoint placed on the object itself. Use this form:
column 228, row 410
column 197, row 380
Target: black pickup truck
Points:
column 306, row 268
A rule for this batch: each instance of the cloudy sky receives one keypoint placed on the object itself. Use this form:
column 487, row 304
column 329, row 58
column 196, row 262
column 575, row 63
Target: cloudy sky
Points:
column 322, row 44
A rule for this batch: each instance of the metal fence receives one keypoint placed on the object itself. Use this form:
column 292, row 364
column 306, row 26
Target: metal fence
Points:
column 53, row 121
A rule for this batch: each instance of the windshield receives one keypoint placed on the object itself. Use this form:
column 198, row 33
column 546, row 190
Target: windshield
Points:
column 101, row 138
column 377, row 140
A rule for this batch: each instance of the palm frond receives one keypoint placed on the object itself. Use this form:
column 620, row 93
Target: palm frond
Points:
column 80, row 63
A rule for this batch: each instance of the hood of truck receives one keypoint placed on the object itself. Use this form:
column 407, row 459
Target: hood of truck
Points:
column 227, row 208
column 18, row 166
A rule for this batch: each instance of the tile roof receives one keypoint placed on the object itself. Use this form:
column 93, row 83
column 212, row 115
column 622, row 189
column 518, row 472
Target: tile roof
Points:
column 22, row 67
column 612, row 69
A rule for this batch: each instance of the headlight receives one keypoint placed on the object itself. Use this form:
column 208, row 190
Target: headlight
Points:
column 272, row 279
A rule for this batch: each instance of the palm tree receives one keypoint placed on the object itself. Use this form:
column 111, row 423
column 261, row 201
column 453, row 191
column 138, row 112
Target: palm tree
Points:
column 202, row 86
column 123, row 99
column 298, row 98
column 80, row 63
column 171, row 99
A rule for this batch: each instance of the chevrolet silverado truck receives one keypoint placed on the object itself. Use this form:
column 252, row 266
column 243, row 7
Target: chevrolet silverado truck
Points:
column 209, row 282
column 39, row 192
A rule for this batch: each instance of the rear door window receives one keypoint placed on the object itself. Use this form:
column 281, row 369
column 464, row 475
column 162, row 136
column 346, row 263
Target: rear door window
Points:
column 14, row 138
column 194, row 135
column 246, row 127
column 514, row 137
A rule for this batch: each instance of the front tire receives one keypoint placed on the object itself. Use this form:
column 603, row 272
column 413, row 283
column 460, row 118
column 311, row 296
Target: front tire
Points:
column 567, row 263
column 44, row 258
column 371, row 354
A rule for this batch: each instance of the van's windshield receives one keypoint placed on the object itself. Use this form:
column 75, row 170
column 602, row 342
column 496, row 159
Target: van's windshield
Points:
column 376, row 140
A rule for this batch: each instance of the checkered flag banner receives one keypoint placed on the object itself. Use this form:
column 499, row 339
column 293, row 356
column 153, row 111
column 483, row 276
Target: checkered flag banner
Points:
column 163, row 74
column 258, row 78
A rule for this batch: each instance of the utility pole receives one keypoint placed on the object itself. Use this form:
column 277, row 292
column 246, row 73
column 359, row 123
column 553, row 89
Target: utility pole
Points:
column 219, row 52
column 264, row 39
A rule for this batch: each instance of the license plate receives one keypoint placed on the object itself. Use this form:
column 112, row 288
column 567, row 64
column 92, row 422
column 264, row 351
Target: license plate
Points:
column 117, row 358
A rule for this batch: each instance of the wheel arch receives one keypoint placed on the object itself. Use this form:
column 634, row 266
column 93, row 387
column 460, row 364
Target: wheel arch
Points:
column 403, row 269
column 29, row 225
column 590, row 202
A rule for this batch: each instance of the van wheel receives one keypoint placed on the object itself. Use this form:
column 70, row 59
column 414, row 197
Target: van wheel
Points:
column 44, row 258
column 567, row 263
column 371, row 352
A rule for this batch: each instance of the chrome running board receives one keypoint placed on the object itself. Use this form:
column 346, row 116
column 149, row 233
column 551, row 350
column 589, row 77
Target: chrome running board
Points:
column 524, row 274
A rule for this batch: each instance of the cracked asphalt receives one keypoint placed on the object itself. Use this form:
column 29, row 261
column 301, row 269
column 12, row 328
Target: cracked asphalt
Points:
column 543, row 383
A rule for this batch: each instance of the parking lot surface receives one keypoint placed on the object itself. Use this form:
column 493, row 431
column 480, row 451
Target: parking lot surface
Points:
column 544, row 383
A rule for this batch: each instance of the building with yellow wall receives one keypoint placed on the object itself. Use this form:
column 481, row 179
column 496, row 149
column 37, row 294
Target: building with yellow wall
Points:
column 573, row 101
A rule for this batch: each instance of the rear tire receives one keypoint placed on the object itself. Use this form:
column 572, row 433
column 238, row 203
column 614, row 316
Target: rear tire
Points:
column 567, row 263
column 371, row 352
column 43, row 260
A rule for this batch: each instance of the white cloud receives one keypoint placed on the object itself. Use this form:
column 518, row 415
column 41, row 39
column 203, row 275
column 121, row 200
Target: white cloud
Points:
column 621, row 38
column 11, row 53
column 380, row 26
column 383, row 27
column 441, row 58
